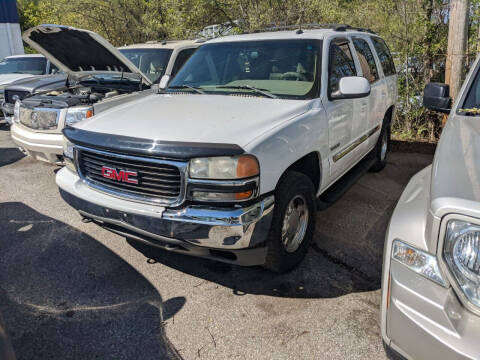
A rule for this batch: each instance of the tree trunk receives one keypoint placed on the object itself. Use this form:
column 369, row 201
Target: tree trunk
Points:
column 457, row 43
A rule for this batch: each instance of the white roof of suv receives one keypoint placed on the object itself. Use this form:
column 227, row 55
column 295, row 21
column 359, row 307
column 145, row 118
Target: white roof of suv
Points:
column 290, row 34
column 169, row 44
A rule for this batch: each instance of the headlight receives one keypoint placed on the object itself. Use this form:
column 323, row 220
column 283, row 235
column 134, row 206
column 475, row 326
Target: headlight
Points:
column 462, row 254
column 223, row 178
column 223, row 167
column 68, row 154
column 77, row 114
column 16, row 112
column 417, row 260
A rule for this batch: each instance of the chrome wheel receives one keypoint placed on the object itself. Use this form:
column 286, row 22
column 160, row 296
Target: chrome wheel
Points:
column 383, row 151
column 295, row 223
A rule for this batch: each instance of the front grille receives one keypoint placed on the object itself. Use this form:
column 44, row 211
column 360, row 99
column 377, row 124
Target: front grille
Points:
column 41, row 119
column 9, row 95
column 159, row 181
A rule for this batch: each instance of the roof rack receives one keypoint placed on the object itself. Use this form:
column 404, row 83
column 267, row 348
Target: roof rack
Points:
column 300, row 27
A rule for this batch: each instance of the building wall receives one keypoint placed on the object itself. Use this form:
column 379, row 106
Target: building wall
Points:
column 10, row 33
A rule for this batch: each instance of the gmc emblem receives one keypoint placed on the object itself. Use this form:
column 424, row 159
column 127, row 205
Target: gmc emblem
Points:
column 120, row 175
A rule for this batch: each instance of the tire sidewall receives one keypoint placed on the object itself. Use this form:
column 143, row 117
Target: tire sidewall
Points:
column 377, row 151
column 385, row 131
column 293, row 184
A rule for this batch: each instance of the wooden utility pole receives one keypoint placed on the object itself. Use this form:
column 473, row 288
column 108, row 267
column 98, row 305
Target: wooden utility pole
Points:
column 457, row 44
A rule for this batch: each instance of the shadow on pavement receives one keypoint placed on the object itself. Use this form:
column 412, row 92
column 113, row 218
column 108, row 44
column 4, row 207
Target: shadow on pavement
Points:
column 10, row 155
column 316, row 277
column 63, row 295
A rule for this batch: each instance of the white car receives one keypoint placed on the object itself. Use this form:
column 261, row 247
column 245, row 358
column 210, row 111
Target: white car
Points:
column 17, row 67
column 230, row 161
column 99, row 77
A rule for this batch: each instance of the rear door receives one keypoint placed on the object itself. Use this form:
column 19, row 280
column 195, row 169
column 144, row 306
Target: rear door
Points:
column 388, row 78
column 339, row 111
column 375, row 102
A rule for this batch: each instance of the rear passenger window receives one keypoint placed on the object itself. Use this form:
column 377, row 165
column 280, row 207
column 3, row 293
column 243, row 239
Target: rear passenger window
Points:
column 366, row 59
column 384, row 55
column 182, row 57
column 341, row 64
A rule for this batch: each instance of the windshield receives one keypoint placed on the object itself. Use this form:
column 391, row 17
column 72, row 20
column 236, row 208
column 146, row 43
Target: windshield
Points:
column 24, row 65
column 152, row 62
column 471, row 104
column 280, row 68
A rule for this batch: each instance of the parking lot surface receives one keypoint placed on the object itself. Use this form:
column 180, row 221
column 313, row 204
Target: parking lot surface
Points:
column 70, row 290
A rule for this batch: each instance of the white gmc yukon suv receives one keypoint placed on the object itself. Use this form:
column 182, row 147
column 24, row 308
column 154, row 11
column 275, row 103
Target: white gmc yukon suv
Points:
column 229, row 160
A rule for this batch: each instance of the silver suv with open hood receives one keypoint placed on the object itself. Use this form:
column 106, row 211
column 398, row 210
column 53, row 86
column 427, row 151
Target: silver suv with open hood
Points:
column 99, row 76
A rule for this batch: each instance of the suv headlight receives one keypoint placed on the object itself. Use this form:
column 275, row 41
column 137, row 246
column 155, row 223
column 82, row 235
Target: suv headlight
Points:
column 68, row 154
column 16, row 111
column 224, row 167
column 223, row 178
column 462, row 254
column 77, row 114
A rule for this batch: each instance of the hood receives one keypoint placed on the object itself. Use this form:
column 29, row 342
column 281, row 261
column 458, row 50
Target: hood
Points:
column 9, row 78
column 196, row 118
column 79, row 52
column 39, row 83
column 455, row 183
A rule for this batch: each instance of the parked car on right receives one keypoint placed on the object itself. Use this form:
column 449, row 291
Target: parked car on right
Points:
column 431, row 271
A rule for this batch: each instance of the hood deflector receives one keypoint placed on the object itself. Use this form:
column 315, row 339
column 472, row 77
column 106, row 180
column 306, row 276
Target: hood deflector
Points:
column 147, row 147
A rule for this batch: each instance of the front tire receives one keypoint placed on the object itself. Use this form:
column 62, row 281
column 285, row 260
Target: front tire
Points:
column 293, row 222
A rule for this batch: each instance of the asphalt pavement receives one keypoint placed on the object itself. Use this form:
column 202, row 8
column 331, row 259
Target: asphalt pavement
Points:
column 70, row 290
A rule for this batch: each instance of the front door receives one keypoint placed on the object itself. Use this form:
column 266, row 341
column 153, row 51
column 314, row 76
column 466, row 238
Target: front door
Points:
column 340, row 112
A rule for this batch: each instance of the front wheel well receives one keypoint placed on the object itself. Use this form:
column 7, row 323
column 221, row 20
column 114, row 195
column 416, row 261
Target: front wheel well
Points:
column 308, row 165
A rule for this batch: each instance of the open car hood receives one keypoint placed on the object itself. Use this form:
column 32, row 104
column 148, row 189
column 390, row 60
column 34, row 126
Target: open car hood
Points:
column 79, row 52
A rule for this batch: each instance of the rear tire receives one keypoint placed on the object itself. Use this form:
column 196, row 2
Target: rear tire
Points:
column 380, row 152
column 293, row 222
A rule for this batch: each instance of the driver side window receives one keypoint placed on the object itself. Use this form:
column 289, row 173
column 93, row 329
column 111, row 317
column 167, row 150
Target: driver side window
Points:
column 341, row 64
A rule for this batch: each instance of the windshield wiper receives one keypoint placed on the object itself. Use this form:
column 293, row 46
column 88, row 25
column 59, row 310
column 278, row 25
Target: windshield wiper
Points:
column 185, row 86
column 263, row 92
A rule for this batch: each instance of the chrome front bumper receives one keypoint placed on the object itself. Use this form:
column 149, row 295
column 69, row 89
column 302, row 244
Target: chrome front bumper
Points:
column 235, row 235
column 40, row 145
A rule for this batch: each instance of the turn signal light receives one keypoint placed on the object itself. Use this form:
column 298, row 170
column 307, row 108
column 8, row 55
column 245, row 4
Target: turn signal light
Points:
column 247, row 166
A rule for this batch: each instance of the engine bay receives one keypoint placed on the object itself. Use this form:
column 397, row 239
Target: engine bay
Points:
column 86, row 92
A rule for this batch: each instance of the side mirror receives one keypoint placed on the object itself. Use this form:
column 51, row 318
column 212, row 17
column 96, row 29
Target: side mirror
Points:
column 436, row 97
column 164, row 82
column 352, row 87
